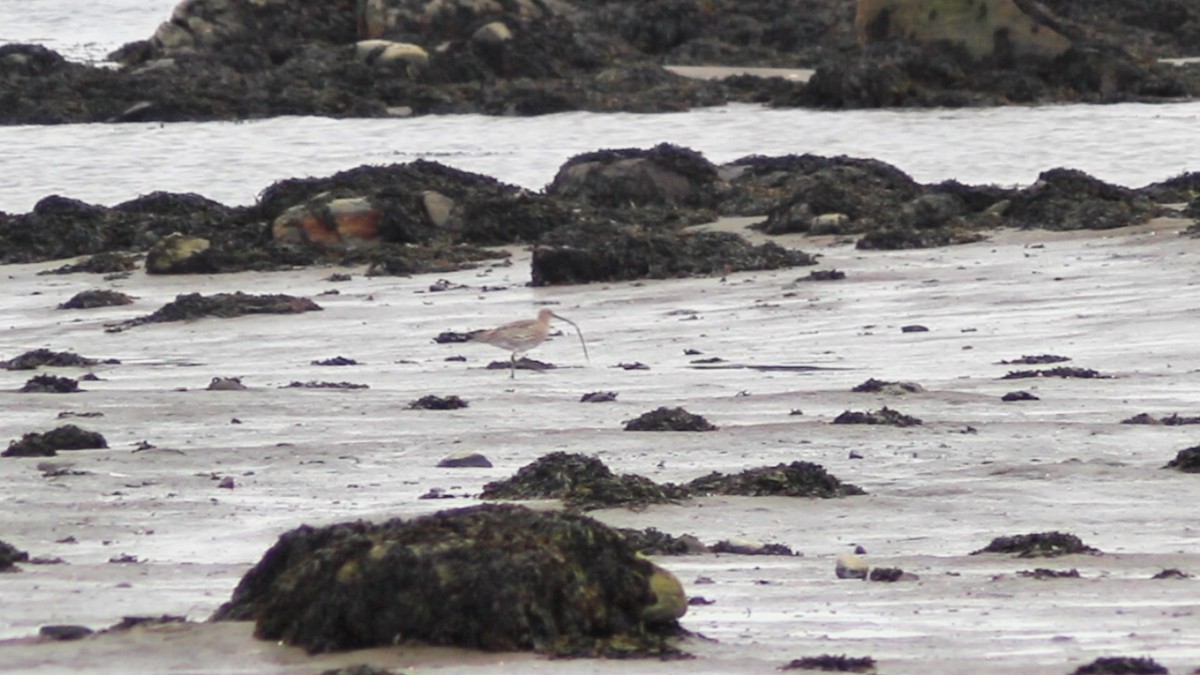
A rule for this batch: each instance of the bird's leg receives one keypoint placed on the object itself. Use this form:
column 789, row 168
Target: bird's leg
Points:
column 512, row 366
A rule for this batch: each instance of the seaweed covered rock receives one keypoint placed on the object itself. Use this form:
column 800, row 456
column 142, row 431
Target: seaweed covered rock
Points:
column 1187, row 461
column 831, row 663
column 435, row 402
column 665, row 175
column 10, row 555
column 652, row 541
column 1068, row 199
column 581, row 482
column 669, row 419
column 50, row 384
column 66, row 437
column 108, row 262
column 492, row 577
column 798, row 479
column 96, row 298
column 583, row 253
column 194, row 306
column 36, row 358
column 884, row 415
column 1038, row 545
column 1122, row 665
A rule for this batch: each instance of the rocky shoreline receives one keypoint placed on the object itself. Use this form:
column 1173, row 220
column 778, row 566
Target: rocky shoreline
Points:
column 228, row 59
column 608, row 215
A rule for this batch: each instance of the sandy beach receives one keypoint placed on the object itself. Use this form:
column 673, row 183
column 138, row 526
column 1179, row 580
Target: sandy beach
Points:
column 1119, row 302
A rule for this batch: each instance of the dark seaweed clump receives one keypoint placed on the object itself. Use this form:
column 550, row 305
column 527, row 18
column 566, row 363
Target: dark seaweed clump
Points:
column 884, row 415
column 97, row 298
column 66, row 437
column 1042, row 573
column 50, row 384
column 194, row 306
column 669, row 419
column 491, row 577
column 1061, row 371
column 1035, row 360
column 36, row 358
column 874, row 386
column 10, row 555
column 581, row 482
column 434, row 402
column 833, row 664
column 1172, row 420
column 1122, row 665
column 798, row 479
column 652, row 541
column 1038, row 545
column 1187, row 461
column 108, row 262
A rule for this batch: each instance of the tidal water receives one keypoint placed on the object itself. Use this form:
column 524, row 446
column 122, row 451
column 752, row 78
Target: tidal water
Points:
column 1128, row 144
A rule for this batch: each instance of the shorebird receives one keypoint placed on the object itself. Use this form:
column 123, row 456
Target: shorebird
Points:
column 519, row 337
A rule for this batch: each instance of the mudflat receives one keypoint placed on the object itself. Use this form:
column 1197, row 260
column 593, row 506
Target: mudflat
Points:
column 196, row 484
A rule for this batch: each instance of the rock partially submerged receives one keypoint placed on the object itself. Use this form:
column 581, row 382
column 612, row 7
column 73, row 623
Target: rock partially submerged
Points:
column 96, row 298
column 884, row 416
column 492, row 577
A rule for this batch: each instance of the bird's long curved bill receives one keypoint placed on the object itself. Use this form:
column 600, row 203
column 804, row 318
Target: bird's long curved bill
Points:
column 577, row 332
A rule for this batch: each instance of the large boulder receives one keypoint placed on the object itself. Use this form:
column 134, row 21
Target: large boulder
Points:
column 487, row 577
column 986, row 28
column 663, row 175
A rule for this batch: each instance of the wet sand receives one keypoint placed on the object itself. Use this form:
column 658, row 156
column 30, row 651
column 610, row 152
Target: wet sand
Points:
column 1119, row 302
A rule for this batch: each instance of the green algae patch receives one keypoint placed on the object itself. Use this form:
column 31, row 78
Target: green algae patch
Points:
column 491, row 577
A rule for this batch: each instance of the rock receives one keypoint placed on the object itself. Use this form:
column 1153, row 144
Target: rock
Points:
column 850, row 566
column 499, row 578
column 837, row 664
column 1187, row 461
column 330, row 223
column 666, row 175
column 37, row 358
column 179, row 254
column 798, row 479
column 581, row 482
column 96, row 298
column 1040, row 544
column 874, row 386
column 388, row 53
column 108, row 262
column 438, row 207
column 986, row 28
column 598, row 397
column 50, row 384
column 891, row 574
column 651, row 541
column 65, row 632
column 740, row 546
column 433, row 402
column 194, row 306
column 66, row 437
column 1124, row 665
column 1019, row 396
column 10, row 555
column 884, row 415
column 1060, row 371
column 465, row 459
column 665, row 419
column 492, row 34
column 226, row 384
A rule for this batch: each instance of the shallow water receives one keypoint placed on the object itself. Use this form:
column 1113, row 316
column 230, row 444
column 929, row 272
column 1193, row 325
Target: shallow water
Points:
column 1130, row 144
